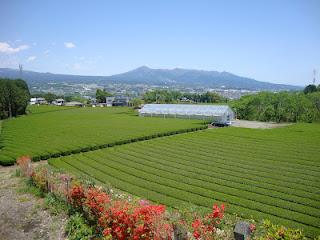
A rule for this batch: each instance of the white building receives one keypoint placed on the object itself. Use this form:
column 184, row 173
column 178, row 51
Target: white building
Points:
column 109, row 101
column 34, row 101
column 219, row 114
column 58, row 102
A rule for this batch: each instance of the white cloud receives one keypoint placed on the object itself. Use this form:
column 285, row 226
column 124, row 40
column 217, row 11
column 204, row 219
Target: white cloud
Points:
column 6, row 48
column 31, row 58
column 69, row 45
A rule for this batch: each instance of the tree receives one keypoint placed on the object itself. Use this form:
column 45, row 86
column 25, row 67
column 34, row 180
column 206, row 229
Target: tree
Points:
column 136, row 102
column 14, row 97
column 50, row 97
column 279, row 107
column 101, row 95
column 310, row 89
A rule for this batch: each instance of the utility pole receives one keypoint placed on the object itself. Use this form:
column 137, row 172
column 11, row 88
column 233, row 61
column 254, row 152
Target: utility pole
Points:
column 20, row 70
column 314, row 76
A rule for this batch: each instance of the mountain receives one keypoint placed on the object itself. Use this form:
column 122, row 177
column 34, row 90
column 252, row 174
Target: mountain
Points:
column 162, row 77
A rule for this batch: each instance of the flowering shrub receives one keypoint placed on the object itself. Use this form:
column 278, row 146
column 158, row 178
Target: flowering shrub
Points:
column 277, row 232
column 127, row 221
column 24, row 162
column 77, row 197
column 114, row 219
column 204, row 228
column 96, row 202
column 120, row 219
column 40, row 178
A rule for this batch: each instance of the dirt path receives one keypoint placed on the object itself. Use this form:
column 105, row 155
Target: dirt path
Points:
column 22, row 215
column 256, row 124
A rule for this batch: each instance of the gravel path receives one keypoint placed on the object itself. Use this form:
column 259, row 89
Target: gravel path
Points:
column 22, row 215
column 256, row 124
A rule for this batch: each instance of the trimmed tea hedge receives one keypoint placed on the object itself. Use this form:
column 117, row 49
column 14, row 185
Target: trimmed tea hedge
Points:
column 54, row 133
column 272, row 174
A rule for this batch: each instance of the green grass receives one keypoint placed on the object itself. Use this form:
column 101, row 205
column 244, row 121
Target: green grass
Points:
column 53, row 131
column 34, row 109
column 262, row 174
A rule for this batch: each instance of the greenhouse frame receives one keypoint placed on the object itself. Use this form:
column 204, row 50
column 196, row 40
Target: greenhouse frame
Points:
column 219, row 114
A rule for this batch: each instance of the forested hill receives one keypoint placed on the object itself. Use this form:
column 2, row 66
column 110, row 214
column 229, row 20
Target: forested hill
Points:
column 149, row 76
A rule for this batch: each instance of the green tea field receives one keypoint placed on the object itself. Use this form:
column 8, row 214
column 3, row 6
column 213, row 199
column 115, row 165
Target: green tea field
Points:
column 262, row 174
column 52, row 131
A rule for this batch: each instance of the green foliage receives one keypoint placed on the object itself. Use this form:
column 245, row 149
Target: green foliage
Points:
column 31, row 188
column 78, row 229
column 262, row 176
column 310, row 89
column 14, row 97
column 76, row 97
column 276, row 232
column 101, row 95
column 35, row 109
column 136, row 102
column 165, row 96
column 279, row 107
column 54, row 204
column 57, row 133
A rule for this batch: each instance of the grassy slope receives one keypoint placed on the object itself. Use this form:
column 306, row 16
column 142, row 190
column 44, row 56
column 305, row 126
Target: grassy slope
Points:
column 49, row 131
column 271, row 173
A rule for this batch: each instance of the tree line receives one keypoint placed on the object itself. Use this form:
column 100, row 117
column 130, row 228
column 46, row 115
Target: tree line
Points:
column 166, row 96
column 50, row 97
column 14, row 97
column 279, row 107
column 300, row 106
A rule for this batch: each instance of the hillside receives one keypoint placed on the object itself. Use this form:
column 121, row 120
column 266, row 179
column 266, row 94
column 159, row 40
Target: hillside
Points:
column 149, row 76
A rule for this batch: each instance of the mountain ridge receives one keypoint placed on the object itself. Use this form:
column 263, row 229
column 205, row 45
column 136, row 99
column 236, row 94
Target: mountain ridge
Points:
column 150, row 76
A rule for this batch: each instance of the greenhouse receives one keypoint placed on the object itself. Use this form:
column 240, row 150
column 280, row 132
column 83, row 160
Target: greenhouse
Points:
column 221, row 114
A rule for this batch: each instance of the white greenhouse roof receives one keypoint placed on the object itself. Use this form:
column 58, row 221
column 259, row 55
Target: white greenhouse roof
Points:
column 185, row 109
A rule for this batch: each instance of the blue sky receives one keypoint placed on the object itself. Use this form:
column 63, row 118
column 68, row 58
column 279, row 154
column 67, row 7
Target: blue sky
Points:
column 273, row 40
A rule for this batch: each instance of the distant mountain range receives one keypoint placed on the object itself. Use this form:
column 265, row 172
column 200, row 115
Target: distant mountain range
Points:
column 160, row 77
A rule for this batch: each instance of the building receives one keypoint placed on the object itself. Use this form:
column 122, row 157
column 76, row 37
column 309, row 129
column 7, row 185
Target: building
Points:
column 34, row 101
column 120, row 101
column 109, row 101
column 58, row 102
column 218, row 114
column 117, row 101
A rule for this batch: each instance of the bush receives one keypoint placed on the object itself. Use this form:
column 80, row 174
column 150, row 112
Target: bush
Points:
column 24, row 162
column 54, row 204
column 204, row 228
column 77, row 229
column 276, row 232
column 75, row 151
